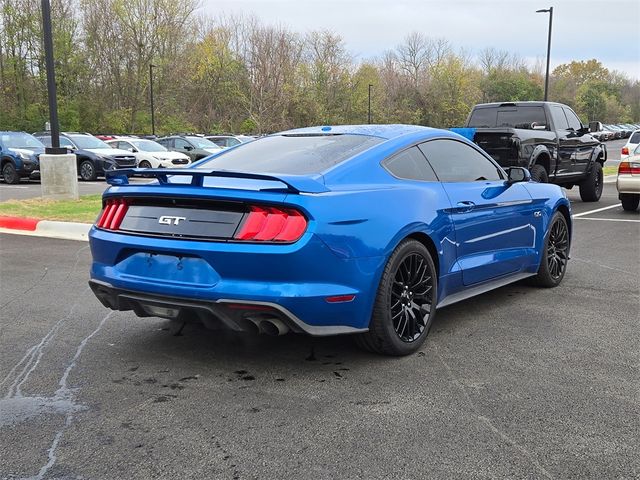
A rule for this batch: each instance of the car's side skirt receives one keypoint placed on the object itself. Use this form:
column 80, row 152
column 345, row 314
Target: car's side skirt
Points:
column 482, row 288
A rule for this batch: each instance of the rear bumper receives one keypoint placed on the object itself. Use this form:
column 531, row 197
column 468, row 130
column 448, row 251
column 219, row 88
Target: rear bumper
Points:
column 226, row 313
column 294, row 279
column 628, row 183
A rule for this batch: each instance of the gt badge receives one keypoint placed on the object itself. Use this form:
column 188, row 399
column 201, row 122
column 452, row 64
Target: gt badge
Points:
column 170, row 220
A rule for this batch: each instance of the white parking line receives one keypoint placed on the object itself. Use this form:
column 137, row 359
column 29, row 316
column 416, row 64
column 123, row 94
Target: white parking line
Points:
column 14, row 186
column 610, row 220
column 610, row 179
column 596, row 210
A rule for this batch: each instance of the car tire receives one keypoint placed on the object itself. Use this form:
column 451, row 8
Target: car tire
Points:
column 87, row 171
column 10, row 174
column 144, row 164
column 400, row 324
column 591, row 187
column 555, row 255
column 539, row 174
column 630, row 201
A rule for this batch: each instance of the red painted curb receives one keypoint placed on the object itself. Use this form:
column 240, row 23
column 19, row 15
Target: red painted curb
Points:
column 19, row 223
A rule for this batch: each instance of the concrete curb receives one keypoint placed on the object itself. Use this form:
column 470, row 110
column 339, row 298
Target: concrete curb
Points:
column 45, row 228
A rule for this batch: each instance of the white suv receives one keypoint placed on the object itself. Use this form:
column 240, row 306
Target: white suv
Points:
column 150, row 154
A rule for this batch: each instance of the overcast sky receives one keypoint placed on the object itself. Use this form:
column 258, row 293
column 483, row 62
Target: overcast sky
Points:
column 608, row 30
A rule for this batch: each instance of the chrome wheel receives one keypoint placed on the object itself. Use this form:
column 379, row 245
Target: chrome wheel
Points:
column 557, row 249
column 411, row 297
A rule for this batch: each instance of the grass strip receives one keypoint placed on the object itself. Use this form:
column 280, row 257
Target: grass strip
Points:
column 84, row 210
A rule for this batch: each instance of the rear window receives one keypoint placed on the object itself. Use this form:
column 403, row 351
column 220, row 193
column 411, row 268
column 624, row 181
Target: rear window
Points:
column 292, row 154
column 635, row 138
column 511, row 117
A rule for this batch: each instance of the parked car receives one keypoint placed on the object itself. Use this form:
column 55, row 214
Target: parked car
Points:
column 19, row 156
column 94, row 157
column 545, row 137
column 226, row 141
column 194, row 146
column 617, row 132
column 361, row 230
column 630, row 146
column 600, row 131
column 628, row 181
column 150, row 154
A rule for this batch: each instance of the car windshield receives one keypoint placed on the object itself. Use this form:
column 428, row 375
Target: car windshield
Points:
column 88, row 142
column 292, row 154
column 148, row 146
column 20, row 140
column 201, row 142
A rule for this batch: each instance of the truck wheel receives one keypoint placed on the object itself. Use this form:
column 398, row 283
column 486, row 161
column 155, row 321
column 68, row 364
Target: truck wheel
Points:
column 591, row 187
column 630, row 201
column 10, row 174
column 539, row 174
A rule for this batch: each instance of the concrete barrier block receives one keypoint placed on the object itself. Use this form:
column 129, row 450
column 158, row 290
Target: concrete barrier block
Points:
column 59, row 176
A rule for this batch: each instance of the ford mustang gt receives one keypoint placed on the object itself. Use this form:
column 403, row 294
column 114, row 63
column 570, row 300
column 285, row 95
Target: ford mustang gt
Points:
column 363, row 230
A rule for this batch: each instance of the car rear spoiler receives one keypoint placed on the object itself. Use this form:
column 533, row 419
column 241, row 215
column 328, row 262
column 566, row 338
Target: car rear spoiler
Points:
column 294, row 183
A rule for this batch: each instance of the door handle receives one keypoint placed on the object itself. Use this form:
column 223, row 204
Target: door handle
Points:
column 465, row 206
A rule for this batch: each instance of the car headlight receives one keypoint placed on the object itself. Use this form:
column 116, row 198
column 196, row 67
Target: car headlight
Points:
column 25, row 156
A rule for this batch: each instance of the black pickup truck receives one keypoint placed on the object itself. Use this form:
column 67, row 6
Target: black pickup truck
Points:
column 545, row 137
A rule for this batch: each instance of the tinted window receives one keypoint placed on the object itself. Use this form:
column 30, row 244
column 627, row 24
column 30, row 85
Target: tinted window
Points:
column 180, row 143
column 455, row 161
column 559, row 120
column 410, row 165
column 166, row 142
column 483, row 118
column 573, row 120
column 635, row 138
column 513, row 117
column 292, row 154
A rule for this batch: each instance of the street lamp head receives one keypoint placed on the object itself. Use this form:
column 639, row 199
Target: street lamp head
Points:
column 544, row 10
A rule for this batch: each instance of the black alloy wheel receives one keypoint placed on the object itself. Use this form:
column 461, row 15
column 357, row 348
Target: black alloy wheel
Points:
column 404, row 308
column 555, row 255
column 411, row 297
column 558, row 249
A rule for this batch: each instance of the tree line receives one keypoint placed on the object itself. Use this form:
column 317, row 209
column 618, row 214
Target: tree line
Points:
column 238, row 74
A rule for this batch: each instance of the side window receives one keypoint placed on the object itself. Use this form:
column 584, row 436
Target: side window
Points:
column 559, row 120
column 180, row 143
column 64, row 142
column 410, row 164
column 454, row 161
column 573, row 120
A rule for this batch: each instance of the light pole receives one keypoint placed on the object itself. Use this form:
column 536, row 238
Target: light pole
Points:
column 546, row 78
column 369, row 115
column 153, row 119
column 51, row 80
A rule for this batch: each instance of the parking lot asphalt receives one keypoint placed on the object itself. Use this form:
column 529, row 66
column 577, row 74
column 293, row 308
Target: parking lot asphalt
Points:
column 517, row 383
column 31, row 188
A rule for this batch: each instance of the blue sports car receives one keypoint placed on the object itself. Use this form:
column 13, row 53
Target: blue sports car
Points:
column 362, row 230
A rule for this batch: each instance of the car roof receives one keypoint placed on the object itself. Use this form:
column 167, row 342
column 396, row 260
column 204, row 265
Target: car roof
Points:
column 387, row 132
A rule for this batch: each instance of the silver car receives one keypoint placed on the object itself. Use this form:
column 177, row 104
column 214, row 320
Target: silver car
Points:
column 628, row 182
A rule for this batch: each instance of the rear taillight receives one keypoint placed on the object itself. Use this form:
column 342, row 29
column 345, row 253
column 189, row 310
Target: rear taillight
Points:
column 271, row 224
column 625, row 151
column 113, row 214
column 629, row 168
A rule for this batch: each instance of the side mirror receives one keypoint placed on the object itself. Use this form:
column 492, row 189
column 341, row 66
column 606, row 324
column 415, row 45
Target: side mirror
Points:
column 518, row 174
column 594, row 126
column 188, row 148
